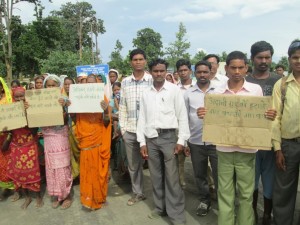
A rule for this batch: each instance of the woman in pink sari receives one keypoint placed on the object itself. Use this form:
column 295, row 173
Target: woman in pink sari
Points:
column 57, row 157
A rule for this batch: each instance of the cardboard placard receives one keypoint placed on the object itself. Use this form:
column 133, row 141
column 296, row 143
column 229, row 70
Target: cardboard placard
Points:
column 235, row 120
column 44, row 108
column 12, row 116
column 86, row 98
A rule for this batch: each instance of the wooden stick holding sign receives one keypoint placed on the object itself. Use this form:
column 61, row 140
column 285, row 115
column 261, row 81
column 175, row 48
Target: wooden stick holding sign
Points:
column 44, row 108
column 235, row 120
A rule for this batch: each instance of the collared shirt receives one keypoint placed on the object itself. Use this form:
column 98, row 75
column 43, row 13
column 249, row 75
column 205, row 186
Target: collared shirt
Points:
column 183, row 88
column 219, row 80
column 163, row 109
column 248, row 89
column 131, row 93
column 194, row 98
column 287, row 124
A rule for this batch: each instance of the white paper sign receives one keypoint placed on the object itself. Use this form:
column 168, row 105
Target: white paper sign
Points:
column 86, row 98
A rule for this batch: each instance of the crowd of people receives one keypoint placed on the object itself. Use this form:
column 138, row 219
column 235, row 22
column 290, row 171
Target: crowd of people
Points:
column 157, row 116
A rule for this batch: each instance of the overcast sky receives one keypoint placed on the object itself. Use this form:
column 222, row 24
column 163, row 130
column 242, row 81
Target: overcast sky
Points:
column 212, row 25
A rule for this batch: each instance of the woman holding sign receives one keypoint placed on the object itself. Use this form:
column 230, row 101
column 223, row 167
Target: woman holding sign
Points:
column 57, row 157
column 5, row 182
column 93, row 132
column 23, row 166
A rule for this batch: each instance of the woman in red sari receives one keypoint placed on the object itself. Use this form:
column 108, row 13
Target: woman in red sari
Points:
column 5, row 182
column 23, row 165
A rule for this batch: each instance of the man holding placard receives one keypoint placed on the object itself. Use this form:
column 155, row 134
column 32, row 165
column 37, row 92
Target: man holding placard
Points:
column 236, row 165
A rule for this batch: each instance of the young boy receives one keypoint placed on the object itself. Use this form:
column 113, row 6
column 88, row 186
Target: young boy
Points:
column 236, row 166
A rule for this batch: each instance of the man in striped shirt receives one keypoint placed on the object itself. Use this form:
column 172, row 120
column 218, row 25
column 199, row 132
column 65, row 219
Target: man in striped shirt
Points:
column 131, row 91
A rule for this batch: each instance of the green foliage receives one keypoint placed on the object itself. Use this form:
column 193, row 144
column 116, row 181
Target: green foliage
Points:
column 178, row 49
column 78, row 18
column 150, row 41
column 117, row 62
column 64, row 62
column 285, row 62
column 198, row 57
column 223, row 56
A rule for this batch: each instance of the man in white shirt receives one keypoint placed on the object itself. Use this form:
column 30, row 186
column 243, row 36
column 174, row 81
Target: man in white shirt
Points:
column 162, row 111
column 216, row 79
column 131, row 91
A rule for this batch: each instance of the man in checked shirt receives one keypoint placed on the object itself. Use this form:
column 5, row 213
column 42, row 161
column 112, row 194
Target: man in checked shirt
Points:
column 131, row 91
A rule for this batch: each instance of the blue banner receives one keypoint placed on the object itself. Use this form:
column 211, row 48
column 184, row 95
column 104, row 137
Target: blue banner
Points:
column 92, row 69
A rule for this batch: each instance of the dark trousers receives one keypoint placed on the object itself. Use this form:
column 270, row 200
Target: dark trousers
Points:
column 200, row 154
column 286, row 184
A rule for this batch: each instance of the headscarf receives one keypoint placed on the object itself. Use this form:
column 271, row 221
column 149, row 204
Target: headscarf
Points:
column 6, row 91
column 170, row 74
column 52, row 77
column 16, row 90
column 115, row 71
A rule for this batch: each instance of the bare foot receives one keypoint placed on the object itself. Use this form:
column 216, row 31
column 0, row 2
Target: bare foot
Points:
column 26, row 203
column 55, row 204
column 39, row 202
column 16, row 196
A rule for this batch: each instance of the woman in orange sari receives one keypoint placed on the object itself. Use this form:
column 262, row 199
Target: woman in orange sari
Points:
column 93, row 131
column 5, row 181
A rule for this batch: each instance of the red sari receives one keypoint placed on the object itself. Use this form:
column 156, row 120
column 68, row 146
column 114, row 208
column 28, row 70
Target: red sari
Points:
column 5, row 181
column 23, row 165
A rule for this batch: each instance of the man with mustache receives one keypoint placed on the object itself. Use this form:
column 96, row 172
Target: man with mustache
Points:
column 261, row 57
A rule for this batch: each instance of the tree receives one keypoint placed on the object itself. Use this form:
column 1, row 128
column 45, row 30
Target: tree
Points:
column 6, row 15
column 80, row 20
column 150, row 41
column 36, row 42
column 198, row 57
column 117, row 61
column 64, row 62
column 223, row 56
column 285, row 62
column 178, row 48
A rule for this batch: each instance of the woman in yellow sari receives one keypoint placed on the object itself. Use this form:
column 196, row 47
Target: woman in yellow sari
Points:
column 5, row 181
column 75, row 151
column 93, row 131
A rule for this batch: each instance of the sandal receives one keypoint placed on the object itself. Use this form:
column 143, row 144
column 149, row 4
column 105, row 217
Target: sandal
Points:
column 135, row 199
column 66, row 203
